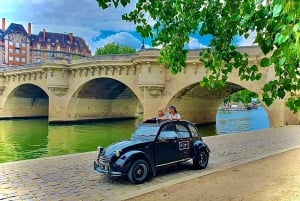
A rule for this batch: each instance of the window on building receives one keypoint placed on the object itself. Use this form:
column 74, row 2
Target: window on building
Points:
column 38, row 46
column 17, row 59
column 18, row 51
column 49, row 54
column 48, row 47
column 11, row 58
column 11, row 50
column 23, row 51
column 38, row 52
column 23, row 44
column 56, row 40
column 58, row 48
column 23, row 60
column 38, row 60
column 17, row 45
column 49, row 40
column 10, row 42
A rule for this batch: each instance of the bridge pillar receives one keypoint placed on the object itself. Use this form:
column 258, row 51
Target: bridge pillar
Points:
column 58, row 85
column 152, row 83
column 57, row 107
column 2, row 87
column 280, row 115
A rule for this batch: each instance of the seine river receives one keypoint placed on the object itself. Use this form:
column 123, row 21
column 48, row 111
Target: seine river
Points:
column 29, row 139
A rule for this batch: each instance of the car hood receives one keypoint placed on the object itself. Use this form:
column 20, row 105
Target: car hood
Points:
column 124, row 145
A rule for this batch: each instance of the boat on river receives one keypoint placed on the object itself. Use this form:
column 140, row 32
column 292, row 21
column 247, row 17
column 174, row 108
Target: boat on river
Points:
column 232, row 107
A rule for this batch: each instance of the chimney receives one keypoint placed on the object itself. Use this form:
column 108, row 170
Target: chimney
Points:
column 3, row 24
column 44, row 35
column 29, row 29
column 71, row 37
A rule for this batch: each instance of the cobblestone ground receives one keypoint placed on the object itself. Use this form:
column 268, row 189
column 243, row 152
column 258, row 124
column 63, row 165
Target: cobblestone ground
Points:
column 71, row 177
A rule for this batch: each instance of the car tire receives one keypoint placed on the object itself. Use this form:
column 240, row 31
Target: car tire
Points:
column 201, row 160
column 138, row 172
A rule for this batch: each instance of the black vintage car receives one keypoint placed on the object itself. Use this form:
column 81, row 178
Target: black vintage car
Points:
column 153, row 146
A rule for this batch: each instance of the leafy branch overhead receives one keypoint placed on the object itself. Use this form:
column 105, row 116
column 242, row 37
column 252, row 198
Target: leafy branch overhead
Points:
column 276, row 24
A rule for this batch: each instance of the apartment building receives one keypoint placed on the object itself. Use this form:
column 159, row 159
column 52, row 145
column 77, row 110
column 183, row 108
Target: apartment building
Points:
column 20, row 47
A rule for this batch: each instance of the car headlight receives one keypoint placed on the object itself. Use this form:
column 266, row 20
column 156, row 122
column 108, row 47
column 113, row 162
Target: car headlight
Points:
column 99, row 149
column 117, row 153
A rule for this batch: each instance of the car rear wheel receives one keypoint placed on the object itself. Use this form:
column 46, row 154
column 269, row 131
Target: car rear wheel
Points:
column 138, row 172
column 201, row 160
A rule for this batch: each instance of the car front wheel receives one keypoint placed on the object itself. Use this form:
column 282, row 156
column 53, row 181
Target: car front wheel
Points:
column 201, row 160
column 138, row 172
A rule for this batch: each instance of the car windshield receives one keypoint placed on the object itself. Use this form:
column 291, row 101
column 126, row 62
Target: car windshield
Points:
column 146, row 131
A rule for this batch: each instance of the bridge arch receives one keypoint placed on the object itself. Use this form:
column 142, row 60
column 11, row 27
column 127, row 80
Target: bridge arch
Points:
column 102, row 98
column 199, row 104
column 26, row 100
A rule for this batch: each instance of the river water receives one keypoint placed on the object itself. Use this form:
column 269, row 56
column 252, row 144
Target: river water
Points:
column 34, row 138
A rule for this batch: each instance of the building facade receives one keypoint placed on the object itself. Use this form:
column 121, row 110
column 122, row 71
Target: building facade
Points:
column 20, row 47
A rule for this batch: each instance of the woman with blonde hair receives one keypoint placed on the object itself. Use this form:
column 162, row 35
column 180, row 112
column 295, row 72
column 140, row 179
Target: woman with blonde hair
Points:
column 158, row 118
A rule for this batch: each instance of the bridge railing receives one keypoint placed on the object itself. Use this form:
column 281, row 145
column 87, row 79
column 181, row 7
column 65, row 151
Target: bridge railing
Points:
column 21, row 67
column 112, row 57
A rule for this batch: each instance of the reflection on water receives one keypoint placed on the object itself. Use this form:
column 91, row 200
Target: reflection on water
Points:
column 28, row 139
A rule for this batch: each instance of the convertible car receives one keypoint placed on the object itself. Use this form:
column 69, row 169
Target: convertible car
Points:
column 153, row 146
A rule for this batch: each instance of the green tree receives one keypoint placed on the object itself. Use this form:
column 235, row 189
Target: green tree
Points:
column 275, row 22
column 243, row 96
column 114, row 48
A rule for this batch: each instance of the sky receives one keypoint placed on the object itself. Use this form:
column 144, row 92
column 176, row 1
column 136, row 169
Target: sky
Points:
column 84, row 18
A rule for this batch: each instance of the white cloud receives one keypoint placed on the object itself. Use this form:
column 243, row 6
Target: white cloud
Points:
column 242, row 41
column 65, row 13
column 195, row 44
column 122, row 38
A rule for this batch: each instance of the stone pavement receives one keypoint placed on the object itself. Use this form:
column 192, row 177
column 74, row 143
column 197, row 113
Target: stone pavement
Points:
column 71, row 177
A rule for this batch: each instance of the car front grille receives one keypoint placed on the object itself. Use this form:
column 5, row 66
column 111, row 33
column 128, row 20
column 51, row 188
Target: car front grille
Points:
column 104, row 159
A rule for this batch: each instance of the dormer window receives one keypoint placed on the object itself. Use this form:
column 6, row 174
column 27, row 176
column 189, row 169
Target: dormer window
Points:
column 56, row 40
column 49, row 40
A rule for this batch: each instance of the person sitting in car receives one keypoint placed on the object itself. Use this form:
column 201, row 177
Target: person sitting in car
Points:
column 173, row 114
column 158, row 118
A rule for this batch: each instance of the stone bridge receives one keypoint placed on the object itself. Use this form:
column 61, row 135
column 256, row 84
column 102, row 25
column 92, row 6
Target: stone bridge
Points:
column 123, row 86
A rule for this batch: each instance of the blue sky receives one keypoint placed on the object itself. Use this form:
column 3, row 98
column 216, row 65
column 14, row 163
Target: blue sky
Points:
column 85, row 19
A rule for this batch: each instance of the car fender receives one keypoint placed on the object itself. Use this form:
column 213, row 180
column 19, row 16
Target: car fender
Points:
column 198, row 145
column 124, row 162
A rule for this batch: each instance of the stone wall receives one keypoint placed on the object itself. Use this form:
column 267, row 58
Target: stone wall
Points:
column 25, row 107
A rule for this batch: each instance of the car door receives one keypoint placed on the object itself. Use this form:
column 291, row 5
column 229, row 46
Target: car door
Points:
column 165, row 146
column 183, row 141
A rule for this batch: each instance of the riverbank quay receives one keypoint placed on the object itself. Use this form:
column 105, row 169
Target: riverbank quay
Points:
column 71, row 177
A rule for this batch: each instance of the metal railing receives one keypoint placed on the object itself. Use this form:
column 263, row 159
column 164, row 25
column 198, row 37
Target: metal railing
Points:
column 21, row 67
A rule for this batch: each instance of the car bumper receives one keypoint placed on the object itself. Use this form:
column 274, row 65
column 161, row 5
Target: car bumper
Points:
column 105, row 170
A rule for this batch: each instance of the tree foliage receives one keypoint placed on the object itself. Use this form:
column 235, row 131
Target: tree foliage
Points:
column 114, row 48
column 245, row 96
column 169, row 23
